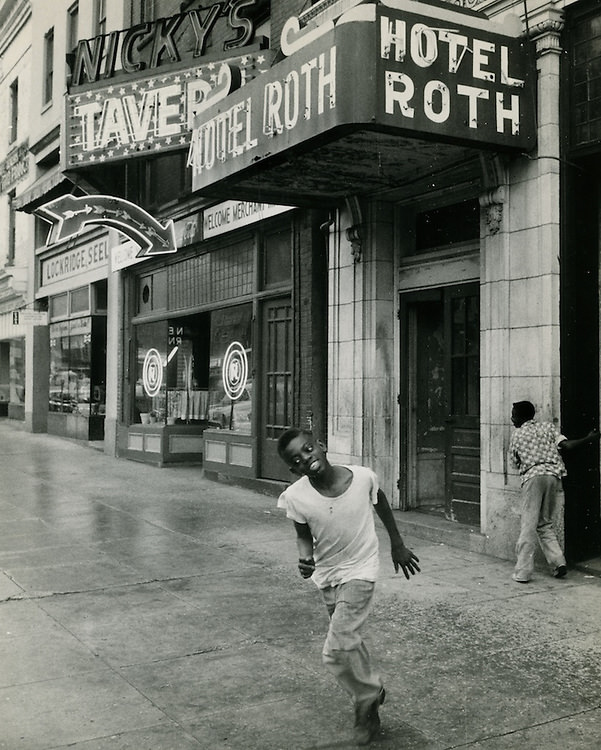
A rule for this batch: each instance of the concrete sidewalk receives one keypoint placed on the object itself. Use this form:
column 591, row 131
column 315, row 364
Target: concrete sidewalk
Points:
column 152, row 609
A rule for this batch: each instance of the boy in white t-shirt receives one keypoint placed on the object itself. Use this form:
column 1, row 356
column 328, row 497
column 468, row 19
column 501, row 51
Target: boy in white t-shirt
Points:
column 332, row 510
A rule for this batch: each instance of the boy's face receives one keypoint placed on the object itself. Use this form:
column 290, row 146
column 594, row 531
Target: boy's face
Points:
column 517, row 420
column 305, row 456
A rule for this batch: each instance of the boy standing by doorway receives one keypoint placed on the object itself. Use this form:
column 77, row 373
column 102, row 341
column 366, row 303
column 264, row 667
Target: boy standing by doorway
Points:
column 332, row 510
column 535, row 451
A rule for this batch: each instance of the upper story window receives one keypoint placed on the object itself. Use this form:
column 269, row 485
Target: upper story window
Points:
column 72, row 26
column 48, row 65
column 99, row 17
column 13, row 111
column 446, row 226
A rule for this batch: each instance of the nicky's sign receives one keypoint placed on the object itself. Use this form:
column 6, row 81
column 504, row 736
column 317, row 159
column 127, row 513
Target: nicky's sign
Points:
column 152, row 44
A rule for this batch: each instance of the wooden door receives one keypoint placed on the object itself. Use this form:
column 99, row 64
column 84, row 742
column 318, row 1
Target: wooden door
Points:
column 462, row 323
column 440, row 415
column 276, row 388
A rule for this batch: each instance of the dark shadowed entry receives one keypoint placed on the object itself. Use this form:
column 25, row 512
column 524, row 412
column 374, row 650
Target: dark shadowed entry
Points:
column 276, row 384
column 440, row 402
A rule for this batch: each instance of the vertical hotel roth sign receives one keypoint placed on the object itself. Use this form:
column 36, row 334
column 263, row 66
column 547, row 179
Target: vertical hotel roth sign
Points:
column 448, row 76
column 457, row 81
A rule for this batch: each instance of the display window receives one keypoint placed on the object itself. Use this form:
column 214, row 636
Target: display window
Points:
column 150, row 386
column 76, row 384
column 195, row 370
column 17, row 371
column 230, row 389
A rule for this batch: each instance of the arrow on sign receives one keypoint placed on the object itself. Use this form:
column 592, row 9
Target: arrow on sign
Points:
column 69, row 215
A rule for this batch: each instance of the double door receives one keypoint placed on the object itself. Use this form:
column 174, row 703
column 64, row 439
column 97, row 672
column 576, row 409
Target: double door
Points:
column 440, row 402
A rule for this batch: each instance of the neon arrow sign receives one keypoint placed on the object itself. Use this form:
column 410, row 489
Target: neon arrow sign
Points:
column 69, row 215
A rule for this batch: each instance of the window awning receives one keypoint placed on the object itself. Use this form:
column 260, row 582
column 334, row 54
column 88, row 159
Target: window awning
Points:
column 44, row 189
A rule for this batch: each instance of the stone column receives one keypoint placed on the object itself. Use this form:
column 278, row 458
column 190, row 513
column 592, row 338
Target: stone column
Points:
column 361, row 373
column 114, row 353
column 345, row 324
column 520, row 293
column 37, row 368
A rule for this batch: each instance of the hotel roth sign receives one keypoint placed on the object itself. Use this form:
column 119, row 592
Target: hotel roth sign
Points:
column 135, row 92
column 419, row 70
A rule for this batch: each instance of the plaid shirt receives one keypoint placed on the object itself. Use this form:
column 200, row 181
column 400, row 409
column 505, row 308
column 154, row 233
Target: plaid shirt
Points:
column 533, row 450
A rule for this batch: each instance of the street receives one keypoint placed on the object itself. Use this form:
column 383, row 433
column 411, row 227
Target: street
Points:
column 153, row 609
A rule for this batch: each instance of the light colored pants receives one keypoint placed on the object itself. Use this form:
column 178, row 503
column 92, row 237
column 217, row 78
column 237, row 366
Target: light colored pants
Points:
column 344, row 652
column 539, row 505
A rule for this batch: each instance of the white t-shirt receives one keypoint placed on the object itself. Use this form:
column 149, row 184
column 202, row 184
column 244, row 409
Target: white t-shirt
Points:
column 346, row 545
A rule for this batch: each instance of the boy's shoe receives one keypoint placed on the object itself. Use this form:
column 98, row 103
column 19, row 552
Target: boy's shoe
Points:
column 367, row 722
column 560, row 571
column 520, row 580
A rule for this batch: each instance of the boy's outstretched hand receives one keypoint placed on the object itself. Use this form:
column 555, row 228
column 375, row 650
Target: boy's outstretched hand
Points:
column 306, row 566
column 403, row 557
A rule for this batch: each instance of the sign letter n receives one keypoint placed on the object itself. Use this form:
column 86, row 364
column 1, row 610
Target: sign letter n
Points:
column 86, row 68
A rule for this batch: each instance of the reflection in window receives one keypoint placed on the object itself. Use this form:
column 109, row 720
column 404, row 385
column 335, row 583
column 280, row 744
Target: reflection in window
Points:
column 191, row 352
column 150, row 388
column 60, row 391
column 76, row 384
column 188, row 369
column 17, row 371
column 232, row 325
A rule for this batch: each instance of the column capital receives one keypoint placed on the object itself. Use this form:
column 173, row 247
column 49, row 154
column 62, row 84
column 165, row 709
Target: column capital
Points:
column 544, row 26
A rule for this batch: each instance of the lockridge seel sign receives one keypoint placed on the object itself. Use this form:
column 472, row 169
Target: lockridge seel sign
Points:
column 74, row 262
column 449, row 76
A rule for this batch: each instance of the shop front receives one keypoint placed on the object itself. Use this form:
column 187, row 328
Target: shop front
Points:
column 212, row 342
column 74, row 287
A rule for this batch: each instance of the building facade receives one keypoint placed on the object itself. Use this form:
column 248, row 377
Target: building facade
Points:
column 362, row 222
column 16, row 282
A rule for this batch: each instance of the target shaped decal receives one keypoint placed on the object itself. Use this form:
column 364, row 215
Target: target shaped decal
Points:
column 235, row 370
column 152, row 373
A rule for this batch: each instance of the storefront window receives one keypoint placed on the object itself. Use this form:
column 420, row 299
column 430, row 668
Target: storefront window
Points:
column 73, row 389
column 60, row 391
column 188, row 369
column 80, row 361
column 180, row 370
column 17, row 371
column 150, row 388
column 230, row 387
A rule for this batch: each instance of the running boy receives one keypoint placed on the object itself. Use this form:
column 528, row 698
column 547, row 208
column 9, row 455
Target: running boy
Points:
column 535, row 451
column 332, row 510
